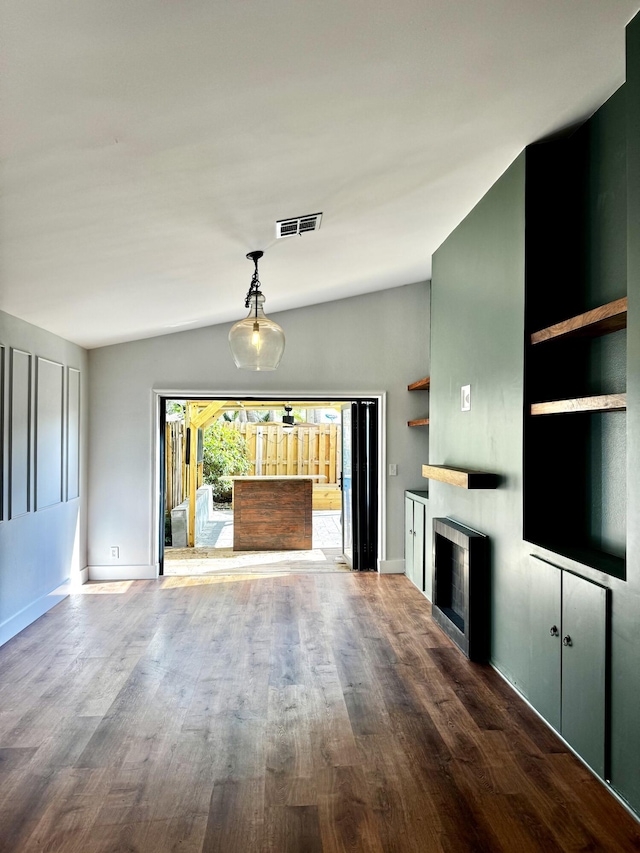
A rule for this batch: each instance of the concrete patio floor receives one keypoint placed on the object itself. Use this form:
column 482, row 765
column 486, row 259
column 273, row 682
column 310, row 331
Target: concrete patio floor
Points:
column 218, row 533
column 214, row 553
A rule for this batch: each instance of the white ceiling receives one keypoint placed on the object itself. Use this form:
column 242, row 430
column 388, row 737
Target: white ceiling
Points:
column 148, row 145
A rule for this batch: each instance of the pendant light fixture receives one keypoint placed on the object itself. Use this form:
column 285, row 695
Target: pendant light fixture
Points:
column 257, row 343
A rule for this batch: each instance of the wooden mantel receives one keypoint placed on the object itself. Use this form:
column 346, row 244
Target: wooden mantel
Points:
column 463, row 477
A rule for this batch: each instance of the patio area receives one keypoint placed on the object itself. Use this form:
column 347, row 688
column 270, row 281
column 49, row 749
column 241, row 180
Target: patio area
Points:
column 214, row 554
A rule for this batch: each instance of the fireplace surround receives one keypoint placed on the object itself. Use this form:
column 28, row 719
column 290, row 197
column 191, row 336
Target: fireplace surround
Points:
column 460, row 586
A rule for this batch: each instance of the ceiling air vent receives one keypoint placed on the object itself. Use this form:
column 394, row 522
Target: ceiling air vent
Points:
column 299, row 225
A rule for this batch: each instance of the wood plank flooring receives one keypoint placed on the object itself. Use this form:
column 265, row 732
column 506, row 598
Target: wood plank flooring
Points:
column 290, row 714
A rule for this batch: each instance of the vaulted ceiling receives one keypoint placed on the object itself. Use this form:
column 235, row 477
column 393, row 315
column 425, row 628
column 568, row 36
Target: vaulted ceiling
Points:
column 147, row 146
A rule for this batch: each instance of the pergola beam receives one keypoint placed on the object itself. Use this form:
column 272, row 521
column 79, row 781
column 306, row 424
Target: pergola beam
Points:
column 206, row 415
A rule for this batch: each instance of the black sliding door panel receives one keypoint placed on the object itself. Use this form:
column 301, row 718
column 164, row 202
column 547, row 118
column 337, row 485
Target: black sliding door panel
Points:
column 364, row 416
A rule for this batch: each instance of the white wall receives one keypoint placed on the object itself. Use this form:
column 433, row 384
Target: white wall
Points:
column 43, row 434
column 368, row 344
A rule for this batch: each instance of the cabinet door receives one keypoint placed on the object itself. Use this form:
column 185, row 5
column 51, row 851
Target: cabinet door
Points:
column 408, row 537
column 418, row 544
column 584, row 669
column 545, row 649
column 414, row 520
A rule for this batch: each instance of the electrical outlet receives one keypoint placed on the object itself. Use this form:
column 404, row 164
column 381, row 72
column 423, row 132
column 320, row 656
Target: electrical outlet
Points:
column 393, row 470
column 115, row 552
column 465, row 398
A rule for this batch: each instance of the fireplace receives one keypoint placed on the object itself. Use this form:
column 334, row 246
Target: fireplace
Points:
column 460, row 586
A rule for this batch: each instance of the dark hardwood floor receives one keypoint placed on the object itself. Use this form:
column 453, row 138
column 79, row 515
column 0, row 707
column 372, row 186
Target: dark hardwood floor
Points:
column 290, row 714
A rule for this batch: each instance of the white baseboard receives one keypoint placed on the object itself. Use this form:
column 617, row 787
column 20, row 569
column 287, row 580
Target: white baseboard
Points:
column 21, row 620
column 74, row 583
column 123, row 573
column 391, row 567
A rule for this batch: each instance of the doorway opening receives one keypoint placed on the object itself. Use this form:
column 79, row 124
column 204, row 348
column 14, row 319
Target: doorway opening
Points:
column 268, row 485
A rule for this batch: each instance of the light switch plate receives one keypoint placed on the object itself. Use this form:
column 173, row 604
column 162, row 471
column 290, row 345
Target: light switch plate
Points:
column 393, row 470
column 465, row 398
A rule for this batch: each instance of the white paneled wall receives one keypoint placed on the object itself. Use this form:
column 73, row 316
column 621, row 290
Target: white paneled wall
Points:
column 49, row 430
column 20, row 387
column 73, row 433
column 42, row 455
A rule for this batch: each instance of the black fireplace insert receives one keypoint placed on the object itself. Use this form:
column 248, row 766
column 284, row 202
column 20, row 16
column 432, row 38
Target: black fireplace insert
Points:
column 461, row 586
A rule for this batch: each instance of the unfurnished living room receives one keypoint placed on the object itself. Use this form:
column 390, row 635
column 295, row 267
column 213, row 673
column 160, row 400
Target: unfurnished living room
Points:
column 279, row 266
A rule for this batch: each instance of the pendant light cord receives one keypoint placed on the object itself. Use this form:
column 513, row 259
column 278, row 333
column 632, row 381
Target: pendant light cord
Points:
column 254, row 287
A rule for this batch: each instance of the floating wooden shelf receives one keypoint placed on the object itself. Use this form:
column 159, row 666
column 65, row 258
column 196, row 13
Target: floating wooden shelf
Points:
column 419, row 422
column 420, row 385
column 601, row 403
column 462, row 477
column 600, row 321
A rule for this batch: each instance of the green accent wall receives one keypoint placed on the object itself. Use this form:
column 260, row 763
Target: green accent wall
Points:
column 625, row 717
column 477, row 332
column 584, row 251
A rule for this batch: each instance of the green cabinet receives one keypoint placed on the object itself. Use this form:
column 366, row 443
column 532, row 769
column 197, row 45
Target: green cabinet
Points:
column 414, row 537
column 584, row 669
column 569, row 651
column 545, row 649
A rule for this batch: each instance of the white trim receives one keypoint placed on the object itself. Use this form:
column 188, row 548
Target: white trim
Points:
column 25, row 617
column 83, row 575
column 123, row 573
column 158, row 393
column 391, row 567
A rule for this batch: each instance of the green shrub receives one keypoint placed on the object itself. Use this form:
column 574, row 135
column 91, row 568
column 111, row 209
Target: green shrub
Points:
column 225, row 455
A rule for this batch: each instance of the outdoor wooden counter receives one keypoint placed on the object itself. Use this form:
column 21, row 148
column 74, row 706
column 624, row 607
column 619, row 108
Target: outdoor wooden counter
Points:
column 272, row 513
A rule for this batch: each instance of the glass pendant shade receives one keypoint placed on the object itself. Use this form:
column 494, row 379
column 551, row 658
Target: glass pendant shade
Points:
column 257, row 343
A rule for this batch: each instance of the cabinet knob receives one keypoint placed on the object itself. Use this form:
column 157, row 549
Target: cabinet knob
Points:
column 566, row 641
column 410, row 532
column 553, row 630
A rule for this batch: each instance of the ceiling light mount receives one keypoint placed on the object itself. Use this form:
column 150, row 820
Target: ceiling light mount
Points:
column 257, row 343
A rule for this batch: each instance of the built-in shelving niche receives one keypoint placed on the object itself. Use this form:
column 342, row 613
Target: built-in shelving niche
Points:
column 575, row 446
column 575, row 358
column 419, row 385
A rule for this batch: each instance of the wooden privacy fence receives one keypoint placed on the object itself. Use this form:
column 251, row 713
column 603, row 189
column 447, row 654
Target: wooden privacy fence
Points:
column 176, row 486
column 313, row 449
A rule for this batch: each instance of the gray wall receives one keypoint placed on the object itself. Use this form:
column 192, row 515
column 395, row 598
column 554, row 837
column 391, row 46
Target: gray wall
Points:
column 373, row 343
column 43, row 381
